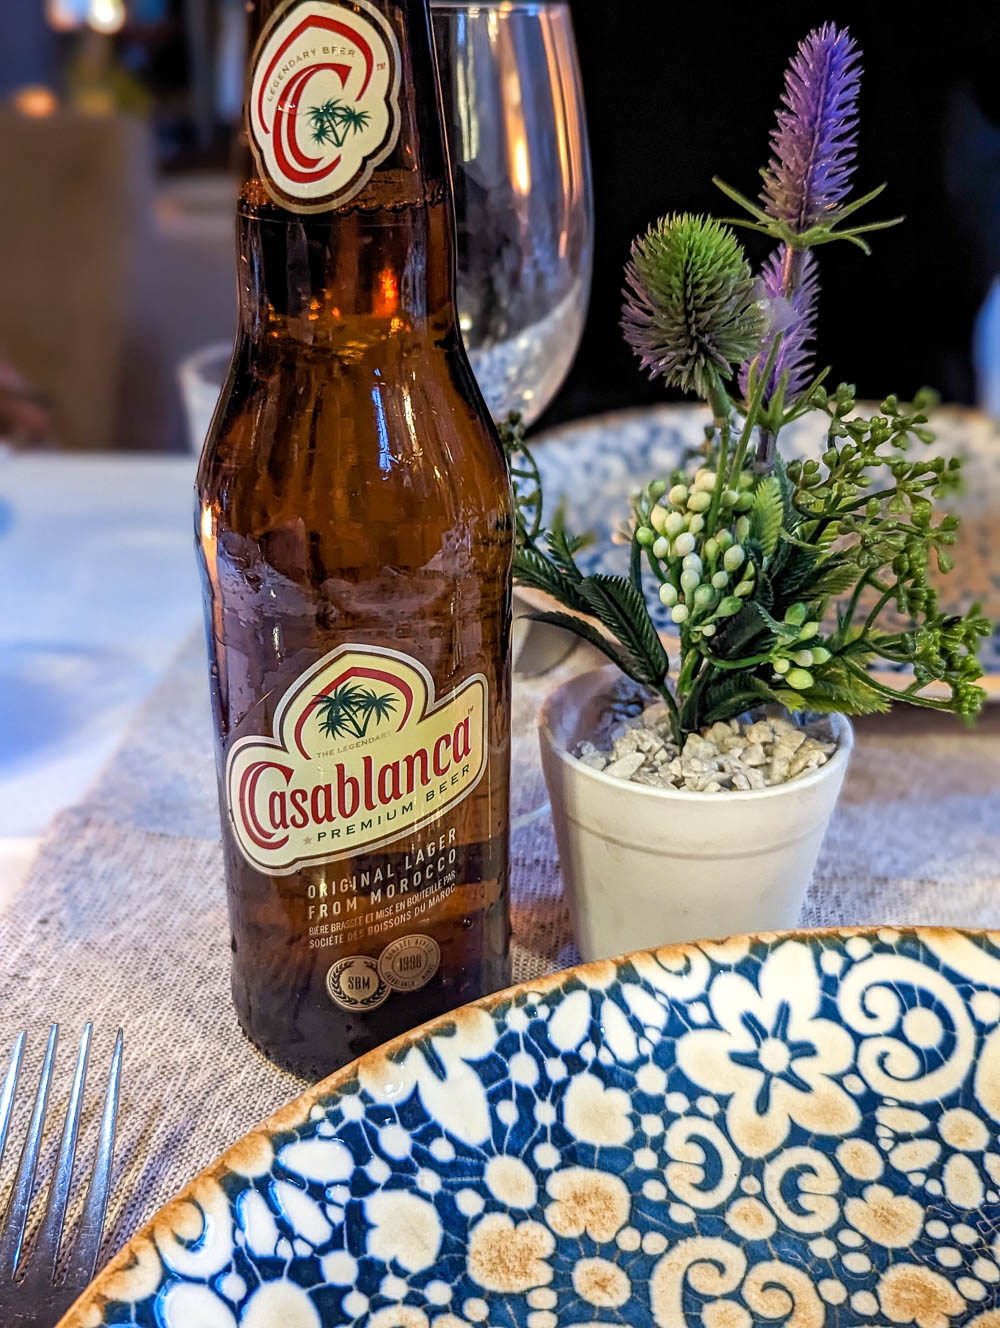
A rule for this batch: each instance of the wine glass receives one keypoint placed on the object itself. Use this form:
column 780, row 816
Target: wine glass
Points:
column 520, row 158
column 517, row 134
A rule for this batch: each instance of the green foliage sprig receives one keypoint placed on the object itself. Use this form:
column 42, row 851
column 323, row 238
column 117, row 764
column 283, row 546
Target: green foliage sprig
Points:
column 778, row 583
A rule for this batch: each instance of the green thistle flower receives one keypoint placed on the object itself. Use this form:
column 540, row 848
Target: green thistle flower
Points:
column 691, row 311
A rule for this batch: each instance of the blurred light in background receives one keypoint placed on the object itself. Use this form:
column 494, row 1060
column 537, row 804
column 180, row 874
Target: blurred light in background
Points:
column 106, row 15
column 35, row 100
column 63, row 15
column 102, row 15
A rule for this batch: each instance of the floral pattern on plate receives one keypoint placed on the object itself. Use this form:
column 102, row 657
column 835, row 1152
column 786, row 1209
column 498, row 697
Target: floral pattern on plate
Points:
column 593, row 466
column 795, row 1130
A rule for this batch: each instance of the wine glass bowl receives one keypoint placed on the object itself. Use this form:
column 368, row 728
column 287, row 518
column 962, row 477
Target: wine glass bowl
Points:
column 520, row 159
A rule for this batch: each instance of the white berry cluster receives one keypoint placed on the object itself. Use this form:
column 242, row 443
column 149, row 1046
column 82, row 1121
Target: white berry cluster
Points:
column 793, row 659
column 703, row 579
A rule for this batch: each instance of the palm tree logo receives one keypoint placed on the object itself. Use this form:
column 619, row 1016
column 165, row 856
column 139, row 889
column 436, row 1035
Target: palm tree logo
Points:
column 349, row 710
column 333, row 121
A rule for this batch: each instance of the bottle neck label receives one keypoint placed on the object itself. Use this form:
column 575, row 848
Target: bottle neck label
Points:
column 324, row 102
column 363, row 753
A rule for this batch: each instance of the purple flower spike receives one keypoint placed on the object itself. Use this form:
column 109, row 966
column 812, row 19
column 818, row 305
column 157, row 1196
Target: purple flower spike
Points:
column 796, row 317
column 815, row 140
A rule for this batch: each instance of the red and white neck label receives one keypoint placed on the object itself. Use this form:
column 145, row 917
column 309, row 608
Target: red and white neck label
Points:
column 324, row 101
column 363, row 753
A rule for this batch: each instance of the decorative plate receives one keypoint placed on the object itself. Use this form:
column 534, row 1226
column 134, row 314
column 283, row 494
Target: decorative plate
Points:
column 797, row 1130
column 595, row 464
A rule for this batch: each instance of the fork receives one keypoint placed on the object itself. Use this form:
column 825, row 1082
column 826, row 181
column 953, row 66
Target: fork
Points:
column 30, row 1295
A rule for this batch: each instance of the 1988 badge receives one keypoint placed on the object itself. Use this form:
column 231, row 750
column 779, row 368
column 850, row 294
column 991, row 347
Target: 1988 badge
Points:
column 409, row 963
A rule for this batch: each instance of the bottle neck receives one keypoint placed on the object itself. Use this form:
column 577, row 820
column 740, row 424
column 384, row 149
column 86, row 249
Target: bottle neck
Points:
column 379, row 258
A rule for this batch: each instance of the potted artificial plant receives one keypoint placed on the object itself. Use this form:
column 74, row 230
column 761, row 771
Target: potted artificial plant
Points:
column 705, row 815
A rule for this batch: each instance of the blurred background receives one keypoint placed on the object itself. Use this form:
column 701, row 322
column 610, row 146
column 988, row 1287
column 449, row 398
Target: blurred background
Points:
column 118, row 129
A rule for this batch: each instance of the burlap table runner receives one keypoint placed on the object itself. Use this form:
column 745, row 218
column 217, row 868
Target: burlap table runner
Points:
column 123, row 921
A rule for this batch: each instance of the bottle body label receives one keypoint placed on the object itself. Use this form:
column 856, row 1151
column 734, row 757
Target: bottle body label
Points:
column 363, row 754
column 324, row 101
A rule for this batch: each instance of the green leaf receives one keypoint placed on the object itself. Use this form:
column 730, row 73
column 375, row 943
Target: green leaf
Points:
column 763, row 589
column 838, row 690
column 588, row 632
column 835, row 578
column 732, row 696
column 830, row 701
column 849, row 209
column 734, row 195
column 795, row 701
column 534, row 570
column 621, row 608
column 635, row 565
column 563, row 548
column 782, row 630
column 766, row 514
column 745, row 634
column 577, row 542
column 797, row 543
column 792, row 518
column 792, row 569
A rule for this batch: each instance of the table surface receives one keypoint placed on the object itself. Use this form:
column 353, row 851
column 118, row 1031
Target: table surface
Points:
column 98, row 555
column 100, row 589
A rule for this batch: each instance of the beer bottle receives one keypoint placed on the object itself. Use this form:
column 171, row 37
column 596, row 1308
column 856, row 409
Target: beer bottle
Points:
column 356, row 532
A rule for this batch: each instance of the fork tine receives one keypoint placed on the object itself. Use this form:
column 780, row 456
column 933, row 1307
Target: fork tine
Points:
column 40, row 1265
column 12, row 1231
column 83, row 1260
column 9, row 1089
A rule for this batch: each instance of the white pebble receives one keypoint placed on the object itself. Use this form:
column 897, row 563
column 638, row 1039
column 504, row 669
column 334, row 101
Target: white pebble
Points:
column 626, row 767
column 596, row 762
column 698, row 746
column 728, row 755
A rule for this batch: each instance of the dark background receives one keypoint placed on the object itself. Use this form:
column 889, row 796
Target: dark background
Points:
column 677, row 93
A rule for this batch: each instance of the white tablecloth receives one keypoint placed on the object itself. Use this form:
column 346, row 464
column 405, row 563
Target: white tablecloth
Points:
column 99, row 588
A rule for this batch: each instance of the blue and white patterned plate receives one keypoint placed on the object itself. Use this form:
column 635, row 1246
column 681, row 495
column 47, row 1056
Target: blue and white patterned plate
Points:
column 595, row 464
column 794, row 1130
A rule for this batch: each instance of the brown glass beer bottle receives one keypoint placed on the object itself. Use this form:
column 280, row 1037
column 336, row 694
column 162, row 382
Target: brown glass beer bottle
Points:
column 355, row 531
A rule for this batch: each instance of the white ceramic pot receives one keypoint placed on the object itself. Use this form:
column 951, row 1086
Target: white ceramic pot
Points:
column 646, row 867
